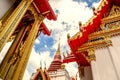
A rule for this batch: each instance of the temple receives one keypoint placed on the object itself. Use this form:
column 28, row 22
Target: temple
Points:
column 21, row 22
column 57, row 69
column 96, row 46
column 40, row 75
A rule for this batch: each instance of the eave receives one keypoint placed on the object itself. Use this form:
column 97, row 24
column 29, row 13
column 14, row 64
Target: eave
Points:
column 43, row 6
column 44, row 29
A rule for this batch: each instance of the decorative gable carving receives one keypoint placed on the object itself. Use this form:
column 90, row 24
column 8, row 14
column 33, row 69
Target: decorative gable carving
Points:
column 115, row 10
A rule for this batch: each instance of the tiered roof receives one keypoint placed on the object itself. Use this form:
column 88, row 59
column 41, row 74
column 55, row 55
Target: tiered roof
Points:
column 56, row 63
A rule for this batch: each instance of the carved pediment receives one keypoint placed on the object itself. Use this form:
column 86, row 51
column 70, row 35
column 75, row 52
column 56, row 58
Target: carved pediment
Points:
column 114, row 15
column 115, row 10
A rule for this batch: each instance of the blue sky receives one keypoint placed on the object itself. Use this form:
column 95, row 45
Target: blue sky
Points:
column 45, row 44
column 69, row 13
column 89, row 2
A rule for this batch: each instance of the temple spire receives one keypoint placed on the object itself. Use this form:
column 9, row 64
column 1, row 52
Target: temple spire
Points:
column 58, row 50
column 57, row 61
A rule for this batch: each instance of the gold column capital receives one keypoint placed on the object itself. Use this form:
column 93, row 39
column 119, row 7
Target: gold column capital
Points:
column 91, row 54
column 41, row 17
column 38, row 16
column 108, row 40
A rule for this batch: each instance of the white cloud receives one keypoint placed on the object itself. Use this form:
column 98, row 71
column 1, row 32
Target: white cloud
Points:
column 45, row 46
column 37, row 41
column 71, row 68
column 96, row 5
column 26, row 75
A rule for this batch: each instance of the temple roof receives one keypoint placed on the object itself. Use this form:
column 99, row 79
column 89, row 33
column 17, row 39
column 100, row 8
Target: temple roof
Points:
column 91, row 26
column 41, row 74
column 43, row 6
column 69, row 58
column 44, row 29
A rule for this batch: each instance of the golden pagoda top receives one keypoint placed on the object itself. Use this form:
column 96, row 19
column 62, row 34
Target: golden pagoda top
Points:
column 58, row 50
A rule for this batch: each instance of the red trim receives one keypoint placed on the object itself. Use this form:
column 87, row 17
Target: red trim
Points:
column 43, row 6
column 70, row 58
column 45, row 29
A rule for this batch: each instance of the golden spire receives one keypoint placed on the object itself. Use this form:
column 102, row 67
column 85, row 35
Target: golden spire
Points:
column 58, row 50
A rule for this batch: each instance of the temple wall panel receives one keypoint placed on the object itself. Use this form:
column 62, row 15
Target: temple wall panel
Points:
column 103, row 68
column 4, row 6
column 115, row 53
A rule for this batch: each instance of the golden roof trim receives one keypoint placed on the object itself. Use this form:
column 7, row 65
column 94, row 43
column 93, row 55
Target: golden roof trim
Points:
column 111, row 19
column 97, row 44
column 110, row 32
column 78, row 34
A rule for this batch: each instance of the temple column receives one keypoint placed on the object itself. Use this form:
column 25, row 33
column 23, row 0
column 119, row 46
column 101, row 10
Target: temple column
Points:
column 11, row 23
column 11, row 54
column 21, row 66
column 0, row 24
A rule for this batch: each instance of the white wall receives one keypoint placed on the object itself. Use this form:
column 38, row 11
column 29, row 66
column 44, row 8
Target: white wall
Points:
column 115, row 53
column 4, row 6
column 59, row 75
column 106, row 66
